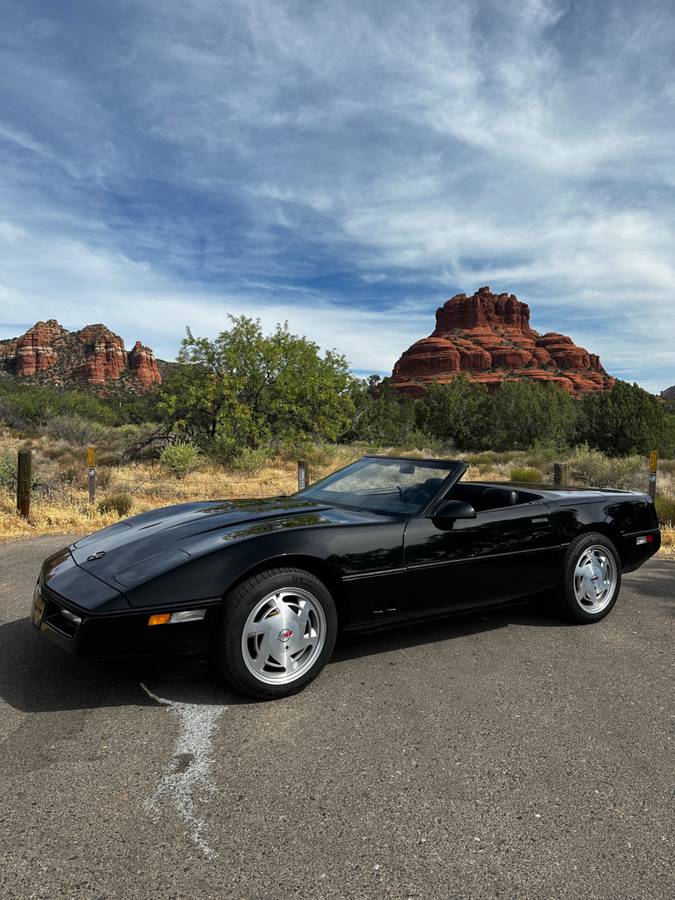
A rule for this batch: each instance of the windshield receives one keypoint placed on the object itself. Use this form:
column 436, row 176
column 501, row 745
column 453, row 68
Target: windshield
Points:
column 402, row 486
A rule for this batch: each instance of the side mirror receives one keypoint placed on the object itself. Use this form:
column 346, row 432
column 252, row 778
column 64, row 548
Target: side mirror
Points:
column 453, row 509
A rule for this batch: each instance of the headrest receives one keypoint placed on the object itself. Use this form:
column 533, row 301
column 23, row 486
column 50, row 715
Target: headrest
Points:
column 431, row 485
column 501, row 496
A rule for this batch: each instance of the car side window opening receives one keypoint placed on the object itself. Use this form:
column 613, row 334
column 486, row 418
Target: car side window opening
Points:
column 485, row 497
column 403, row 486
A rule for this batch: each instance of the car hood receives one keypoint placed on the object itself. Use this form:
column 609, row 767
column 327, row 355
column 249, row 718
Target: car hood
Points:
column 154, row 542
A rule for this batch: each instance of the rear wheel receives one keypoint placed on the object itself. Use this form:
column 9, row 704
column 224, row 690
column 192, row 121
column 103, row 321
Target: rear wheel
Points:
column 591, row 578
column 277, row 632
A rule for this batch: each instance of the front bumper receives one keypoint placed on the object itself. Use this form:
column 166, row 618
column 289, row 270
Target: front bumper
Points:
column 120, row 634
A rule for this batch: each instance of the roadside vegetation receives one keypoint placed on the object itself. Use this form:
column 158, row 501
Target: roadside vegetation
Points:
column 237, row 412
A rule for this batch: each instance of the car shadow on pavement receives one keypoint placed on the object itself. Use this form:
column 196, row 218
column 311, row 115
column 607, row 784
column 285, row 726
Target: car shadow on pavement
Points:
column 38, row 677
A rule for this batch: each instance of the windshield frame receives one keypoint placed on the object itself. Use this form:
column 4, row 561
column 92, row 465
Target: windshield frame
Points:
column 454, row 469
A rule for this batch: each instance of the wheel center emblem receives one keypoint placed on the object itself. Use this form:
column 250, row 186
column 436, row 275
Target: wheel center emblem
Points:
column 285, row 634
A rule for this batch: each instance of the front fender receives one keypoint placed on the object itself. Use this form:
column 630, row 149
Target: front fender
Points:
column 219, row 560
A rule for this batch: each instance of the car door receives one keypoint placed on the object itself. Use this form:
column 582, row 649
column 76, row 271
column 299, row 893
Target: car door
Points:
column 500, row 555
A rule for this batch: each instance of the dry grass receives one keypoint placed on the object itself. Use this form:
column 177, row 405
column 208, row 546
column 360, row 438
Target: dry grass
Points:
column 66, row 508
column 61, row 505
column 668, row 542
column 60, row 502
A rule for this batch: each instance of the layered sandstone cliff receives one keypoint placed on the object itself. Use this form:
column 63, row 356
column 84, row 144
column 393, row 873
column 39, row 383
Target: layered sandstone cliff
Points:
column 93, row 355
column 488, row 337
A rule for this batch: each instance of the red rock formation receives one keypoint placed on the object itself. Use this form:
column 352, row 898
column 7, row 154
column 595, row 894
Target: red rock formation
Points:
column 34, row 349
column 106, row 357
column 144, row 365
column 489, row 338
column 94, row 355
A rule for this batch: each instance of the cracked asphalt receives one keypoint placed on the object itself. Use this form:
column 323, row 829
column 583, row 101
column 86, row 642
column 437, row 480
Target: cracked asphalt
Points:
column 501, row 754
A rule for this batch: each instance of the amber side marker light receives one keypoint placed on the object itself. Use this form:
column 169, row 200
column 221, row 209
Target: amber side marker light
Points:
column 185, row 615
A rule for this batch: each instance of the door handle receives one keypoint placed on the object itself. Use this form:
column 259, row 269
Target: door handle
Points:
column 540, row 520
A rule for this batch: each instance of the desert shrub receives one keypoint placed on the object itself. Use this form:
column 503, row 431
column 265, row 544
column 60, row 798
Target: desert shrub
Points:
column 8, row 464
column 142, row 442
column 525, row 474
column 665, row 508
column 591, row 467
column 180, row 459
column 417, row 443
column 103, row 476
column 545, row 452
column 316, row 454
column 119, row 503
column 68, row 475
column 250, row 460
column 489, row 458
column 107, row 459
column 73, row 429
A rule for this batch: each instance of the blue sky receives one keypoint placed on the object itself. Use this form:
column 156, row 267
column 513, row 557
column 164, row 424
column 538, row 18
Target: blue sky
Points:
column 345, row 166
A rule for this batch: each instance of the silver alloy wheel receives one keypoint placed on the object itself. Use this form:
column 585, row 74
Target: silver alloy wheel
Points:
column 595, row 579
column 283, row 636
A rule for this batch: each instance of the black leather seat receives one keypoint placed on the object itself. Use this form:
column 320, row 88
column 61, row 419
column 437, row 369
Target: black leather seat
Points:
column 422, row 493
column 496, row 497
column 432, row 486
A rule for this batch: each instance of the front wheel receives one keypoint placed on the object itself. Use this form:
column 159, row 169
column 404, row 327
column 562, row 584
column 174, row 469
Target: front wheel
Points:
column 277, row 632
column 591, row 578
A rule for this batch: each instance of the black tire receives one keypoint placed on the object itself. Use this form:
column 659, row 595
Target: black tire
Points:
column 228, row 654
column 570, row 606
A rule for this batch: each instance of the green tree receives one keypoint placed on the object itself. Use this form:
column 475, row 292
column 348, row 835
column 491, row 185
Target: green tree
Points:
column 455, row 412
column 625, row 420
column 668, row 448
column 380, row 416
column 245, row 389
column 30, row 406
column 523, row 413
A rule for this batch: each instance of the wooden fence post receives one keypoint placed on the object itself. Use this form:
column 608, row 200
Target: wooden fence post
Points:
column 23, row 483
column 303, row 475
column 559, row 474
column 91, row 462
column 653, row 460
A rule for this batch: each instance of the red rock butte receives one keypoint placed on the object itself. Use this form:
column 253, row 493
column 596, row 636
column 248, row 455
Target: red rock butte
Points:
column 488, row 338
column 94, row 355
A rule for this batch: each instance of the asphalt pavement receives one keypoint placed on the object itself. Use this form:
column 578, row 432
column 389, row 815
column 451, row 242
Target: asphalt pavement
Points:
column 501, row 754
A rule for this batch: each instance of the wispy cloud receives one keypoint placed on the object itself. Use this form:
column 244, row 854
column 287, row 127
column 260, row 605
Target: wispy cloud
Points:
column 345, row 166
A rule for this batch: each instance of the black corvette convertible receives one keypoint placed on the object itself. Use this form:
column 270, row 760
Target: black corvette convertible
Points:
column 262, row 587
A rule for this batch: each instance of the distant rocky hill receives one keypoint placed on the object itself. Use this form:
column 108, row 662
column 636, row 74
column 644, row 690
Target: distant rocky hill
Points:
column 488, row 337
column 669, row 393
column 94, row 355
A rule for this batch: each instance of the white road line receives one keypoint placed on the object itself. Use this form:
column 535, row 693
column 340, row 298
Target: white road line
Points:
column 190, row 772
